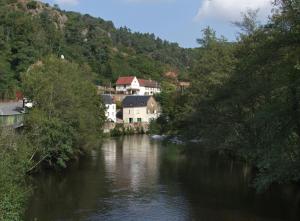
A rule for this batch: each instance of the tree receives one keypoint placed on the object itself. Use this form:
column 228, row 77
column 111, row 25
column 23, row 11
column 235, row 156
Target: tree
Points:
column 68, row 115
column 214, row 66
column 14, row 162
column 249, row 22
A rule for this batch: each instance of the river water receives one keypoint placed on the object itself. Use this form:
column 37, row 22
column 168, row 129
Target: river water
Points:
column 137, row 178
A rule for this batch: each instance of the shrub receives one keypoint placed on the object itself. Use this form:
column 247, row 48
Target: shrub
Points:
column 14, row 162
column 32, row 5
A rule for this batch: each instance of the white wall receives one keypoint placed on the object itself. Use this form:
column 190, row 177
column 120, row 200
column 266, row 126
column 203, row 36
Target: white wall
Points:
column 121, row 88
column 111, row 112
column 135, row 85
column 138, row 112
column 148, row 91
column 142, row 91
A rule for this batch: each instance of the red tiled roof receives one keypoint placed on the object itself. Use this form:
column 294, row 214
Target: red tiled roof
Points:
column 148, row 83
column 144, row 83
column 125, row 80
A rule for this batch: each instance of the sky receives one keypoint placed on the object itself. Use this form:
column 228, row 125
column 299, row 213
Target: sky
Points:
column 178, row 21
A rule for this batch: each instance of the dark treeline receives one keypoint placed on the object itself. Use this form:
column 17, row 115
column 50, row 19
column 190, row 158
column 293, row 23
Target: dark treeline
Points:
column 245, row 97
column 31, row 30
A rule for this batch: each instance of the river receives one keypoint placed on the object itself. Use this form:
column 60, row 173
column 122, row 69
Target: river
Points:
column 137, row 178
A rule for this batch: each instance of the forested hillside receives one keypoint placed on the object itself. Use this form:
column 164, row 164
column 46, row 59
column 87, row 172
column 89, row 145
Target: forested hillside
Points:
column 31, row 30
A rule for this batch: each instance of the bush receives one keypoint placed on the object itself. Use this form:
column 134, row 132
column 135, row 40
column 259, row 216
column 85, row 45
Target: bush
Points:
column 154, row 127
column 68, row 115
column 14, row 162
column 32, row 5
column 119, row 130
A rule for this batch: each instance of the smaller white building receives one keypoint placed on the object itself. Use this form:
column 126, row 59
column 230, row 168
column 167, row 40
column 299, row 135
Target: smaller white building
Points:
column 148, row 87
column 111, row 108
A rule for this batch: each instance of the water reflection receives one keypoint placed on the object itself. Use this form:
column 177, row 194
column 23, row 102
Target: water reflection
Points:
column 136, row 178
column 131, row 163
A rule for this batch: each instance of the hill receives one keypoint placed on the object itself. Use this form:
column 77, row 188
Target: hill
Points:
column 30, row 30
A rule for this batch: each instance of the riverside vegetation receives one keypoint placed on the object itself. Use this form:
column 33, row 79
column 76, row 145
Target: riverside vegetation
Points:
column 244, row 98
column 66, row 121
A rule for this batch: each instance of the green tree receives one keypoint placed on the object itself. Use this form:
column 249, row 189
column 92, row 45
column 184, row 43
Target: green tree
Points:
column 214, row 66
column 68, row 115
column 245, row 96
column 14, row 162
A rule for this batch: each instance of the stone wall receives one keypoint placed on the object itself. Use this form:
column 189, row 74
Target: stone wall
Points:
column 135, row 128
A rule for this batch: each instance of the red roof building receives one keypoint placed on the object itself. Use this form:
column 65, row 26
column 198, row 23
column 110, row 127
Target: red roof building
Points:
column 148, row 83
column 125, row 80
column 133, row 85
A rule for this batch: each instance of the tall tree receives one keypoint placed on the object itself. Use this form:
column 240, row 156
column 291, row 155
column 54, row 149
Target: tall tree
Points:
column 68, row 115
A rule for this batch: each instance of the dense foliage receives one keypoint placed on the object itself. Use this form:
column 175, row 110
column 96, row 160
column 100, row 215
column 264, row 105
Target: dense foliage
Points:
column 14, row 162
column 245, row 97
column 68, row 115
column 66, row 120
column 31, row 30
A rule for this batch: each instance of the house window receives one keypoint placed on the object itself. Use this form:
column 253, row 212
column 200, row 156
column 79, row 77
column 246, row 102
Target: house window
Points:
column 130, row 120
column 139, row 120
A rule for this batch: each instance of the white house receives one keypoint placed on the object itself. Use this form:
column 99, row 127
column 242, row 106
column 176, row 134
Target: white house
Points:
column 140, row 109
column 132, row 85
column 111, row 108
column 148, row 87
column 127, row 85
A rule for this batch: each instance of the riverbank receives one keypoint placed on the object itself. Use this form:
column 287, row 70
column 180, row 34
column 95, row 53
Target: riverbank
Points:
column 121, row 129
column 196, row 146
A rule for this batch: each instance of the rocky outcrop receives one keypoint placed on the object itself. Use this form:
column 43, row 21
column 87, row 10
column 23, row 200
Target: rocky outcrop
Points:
column 36, row 8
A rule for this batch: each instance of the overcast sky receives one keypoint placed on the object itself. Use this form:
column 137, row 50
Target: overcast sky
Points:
column 174, row 20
